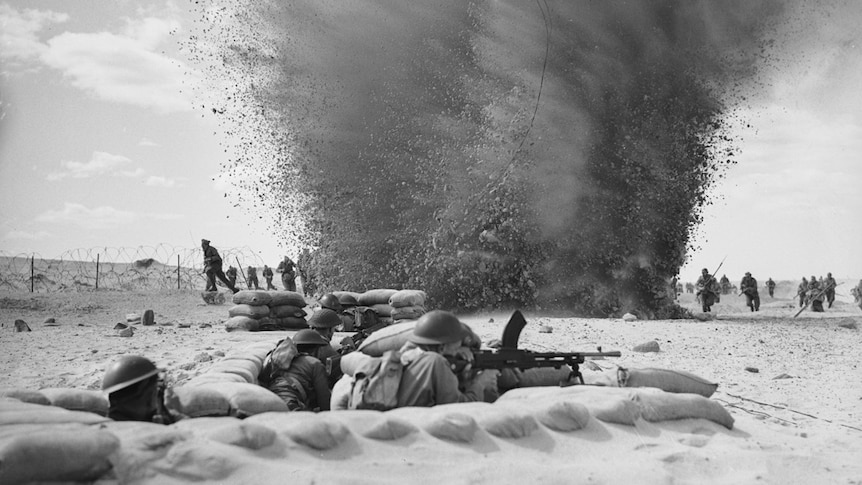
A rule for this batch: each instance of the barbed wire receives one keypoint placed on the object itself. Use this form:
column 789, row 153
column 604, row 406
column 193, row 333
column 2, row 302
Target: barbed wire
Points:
column 161, row 267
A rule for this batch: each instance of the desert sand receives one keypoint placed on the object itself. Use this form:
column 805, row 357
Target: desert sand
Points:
column 791, row 385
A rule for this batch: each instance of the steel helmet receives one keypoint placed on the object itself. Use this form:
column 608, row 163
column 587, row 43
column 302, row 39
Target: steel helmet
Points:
column 438, row 327
column 331, row 302
column 324, row 318
column 309, row 337
column 347, row 300
column 127, row 370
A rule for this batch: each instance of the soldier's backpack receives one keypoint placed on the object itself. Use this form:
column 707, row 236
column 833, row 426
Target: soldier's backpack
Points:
column 278, row 359
column 375, row 383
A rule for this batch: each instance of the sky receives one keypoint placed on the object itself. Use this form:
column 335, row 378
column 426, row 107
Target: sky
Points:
column 106, row 140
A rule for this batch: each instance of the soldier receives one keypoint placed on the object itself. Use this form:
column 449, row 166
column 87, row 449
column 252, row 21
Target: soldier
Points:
column 749, row 289
column 212, row 268
column 303, row 267
column 689, row 287
column 707, row 290
column 770, row 286
column 135, row 391
column 303, row 385
column 801, row 291
column 725, row 285
column 323, row 321
column 231, row 275
column 251, row 278
column 428, row 378
column 814, row 295
column 267, row 275
column 288, row 274
column 829, row 284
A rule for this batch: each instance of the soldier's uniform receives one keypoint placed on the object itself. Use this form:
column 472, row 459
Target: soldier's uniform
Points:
column 802, row 292
column 815, row 295
column 267, row 275
column 212, row 268
column 829, row 284
column 231, row 275
column 749, row 289
column 707, row 290
column 770, row 286
column 251, row 276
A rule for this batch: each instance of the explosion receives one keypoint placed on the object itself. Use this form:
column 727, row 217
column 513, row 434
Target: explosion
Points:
column 554, row 154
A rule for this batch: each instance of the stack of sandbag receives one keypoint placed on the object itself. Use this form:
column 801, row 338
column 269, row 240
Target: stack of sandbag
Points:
column 378, row 301
column 257, row 310
column 407, row 304
column 87, row 400
column 228, row 388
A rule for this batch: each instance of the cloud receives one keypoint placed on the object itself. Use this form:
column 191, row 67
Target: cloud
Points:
column 128, row 67
column 101, row 163
column 146, row 142
column 28, row 236
column 102, row 217
column 19, row 29
column 159, row 181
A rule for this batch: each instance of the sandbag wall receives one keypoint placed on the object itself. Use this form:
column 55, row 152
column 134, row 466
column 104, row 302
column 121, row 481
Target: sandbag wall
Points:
column 258, row 310
column 39, row 443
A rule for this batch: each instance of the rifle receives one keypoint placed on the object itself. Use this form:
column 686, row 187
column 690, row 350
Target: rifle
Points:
column 509, row 356
column 241, row 271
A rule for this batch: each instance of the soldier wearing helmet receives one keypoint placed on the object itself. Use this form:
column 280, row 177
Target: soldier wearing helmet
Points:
column 267, row 275
column 304, row 386
column 287, row 268
column 829, row 287
column 135, row 391
column 331, row 302
column 213, row 268
column 323, row 321
column 428, row 378
column 748, row 285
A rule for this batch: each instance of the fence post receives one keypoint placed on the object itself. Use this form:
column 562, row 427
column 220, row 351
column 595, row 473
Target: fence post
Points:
column 32, row 274
column 97, row 271
column 178, row 271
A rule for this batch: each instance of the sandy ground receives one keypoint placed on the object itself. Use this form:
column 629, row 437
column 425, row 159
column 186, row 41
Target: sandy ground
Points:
column 794, row 385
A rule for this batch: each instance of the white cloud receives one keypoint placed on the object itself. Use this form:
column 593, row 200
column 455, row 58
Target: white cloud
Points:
column 101, row 163
column 122, row 69
column 19, row 31
column 28, row 236
column 146, row 142
column 102, row 217
column 128, row 67
column 159, row 181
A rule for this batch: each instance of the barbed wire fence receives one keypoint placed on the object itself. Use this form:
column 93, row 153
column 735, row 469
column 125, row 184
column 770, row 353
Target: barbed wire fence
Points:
column 162, row 267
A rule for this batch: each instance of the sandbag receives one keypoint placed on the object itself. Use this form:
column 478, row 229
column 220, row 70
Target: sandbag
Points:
column 392, row 337
column 373, row 297
column 279, row 298
column 52, row 454
column 243, row 310
column 242, row 324
column 657, row 405
column 252, row 297
column 78, row 399
column 282, row 311
column 407, row 298
column 230, row 431
column 452, row 426
column 340, row 397
column 249, row 399
column 26, row 395
column 247, row 369
column 563, row 416
column 375, row 425
column 381, row 309
column 407, row 312
column 14, row 412
column 215, row 377
column 536, row 377
column 194, row 401
column 666, row 380
column 316, row 431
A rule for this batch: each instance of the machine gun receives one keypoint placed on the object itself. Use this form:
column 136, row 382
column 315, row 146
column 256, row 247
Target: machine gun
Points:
column 510, row 356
